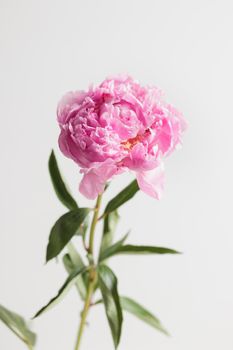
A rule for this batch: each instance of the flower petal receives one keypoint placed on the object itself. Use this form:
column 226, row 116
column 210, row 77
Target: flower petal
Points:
column 152, row 182
column 94, row 180
column 139, row 159
column 91, row 185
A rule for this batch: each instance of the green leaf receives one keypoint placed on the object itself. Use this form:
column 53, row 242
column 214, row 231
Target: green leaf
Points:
column 122, row 197
column 59, row 185
column 62, row 291
column 17, row 324
column 109, row 251
column 72, row 261
column 63, row 230
column 83, row 228
column 111, row 216
column 140, row 312
column 110, row 224
column 108, row 286
column 135, row 249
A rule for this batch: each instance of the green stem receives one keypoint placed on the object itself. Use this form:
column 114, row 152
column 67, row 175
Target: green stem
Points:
column 93, row 224
column 84, row 313
column 92, row 275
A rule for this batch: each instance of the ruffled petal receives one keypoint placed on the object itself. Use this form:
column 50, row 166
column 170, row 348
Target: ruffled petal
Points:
column 139, row 159
column 91, row 185
column 67, row 102
column 70, row 150
column 152, row 182
column 94, row 180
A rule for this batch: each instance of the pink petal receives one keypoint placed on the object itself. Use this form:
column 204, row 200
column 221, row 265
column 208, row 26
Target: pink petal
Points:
column 70, row 150
column 67, row 102
column 139, row 159
column 152, row 182
column 91, row 185
column 94, row 180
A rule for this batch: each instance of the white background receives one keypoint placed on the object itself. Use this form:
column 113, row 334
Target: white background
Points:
column 185, row 47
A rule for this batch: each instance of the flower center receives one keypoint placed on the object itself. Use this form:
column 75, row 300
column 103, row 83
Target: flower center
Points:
column 128, row 145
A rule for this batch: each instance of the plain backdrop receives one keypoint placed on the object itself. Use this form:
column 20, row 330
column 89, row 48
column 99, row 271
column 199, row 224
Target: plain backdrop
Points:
column 185, row 47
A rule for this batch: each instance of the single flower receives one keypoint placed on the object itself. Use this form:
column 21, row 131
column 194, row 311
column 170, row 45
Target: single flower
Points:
column 119, row 126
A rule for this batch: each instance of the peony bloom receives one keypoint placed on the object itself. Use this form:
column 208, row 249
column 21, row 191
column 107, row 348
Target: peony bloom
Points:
column 118, row 126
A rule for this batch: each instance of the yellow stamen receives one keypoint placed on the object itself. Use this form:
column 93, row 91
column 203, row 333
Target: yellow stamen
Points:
column 131, row 142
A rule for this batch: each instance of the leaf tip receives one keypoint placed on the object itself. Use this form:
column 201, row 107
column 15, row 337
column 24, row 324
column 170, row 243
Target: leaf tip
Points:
column 165, row 332
column 49, row 256
column 178, row 252
column 51, row 156
column 35, row 316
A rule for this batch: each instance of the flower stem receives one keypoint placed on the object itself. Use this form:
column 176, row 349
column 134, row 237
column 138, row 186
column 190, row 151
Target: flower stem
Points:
column 92, row 275
column 84, row 313
column 93, row 224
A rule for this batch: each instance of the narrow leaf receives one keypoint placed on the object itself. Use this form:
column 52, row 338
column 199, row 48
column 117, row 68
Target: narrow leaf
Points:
column 110, row 224
column 18, row 325
column 83, row 228
column 108, row 286
column 122, row 197
column 62, row 291
column 140, row 312
column 111, row 216
column 80, row 283
column 63, row 230
column 135, row 249
column 72, row 261
column 75, row 256
column 59, row 185
column 109, row 251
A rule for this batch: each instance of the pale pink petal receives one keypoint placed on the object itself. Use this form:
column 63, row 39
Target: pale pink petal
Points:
column 94, row 180
column 152, row 182
column 70, row 149
column 180, row 118
column 68, row 101
column 91, row 185
column 139, row 159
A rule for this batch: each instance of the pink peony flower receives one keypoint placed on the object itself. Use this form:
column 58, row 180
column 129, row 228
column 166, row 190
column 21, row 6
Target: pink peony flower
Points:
column 118, row 126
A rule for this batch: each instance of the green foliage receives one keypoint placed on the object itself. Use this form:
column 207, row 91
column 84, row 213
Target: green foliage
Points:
column 72, row 261
column 96, row 276
column 119, row 248
column 63, row 230
column 111, row 216
column 17, row 325
column 143, row 314
column 110, row 223
column 108, row 286
column 122, row 197
column 112, row 250
column 62, row 291
column 82, row 231
column 59, row 185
